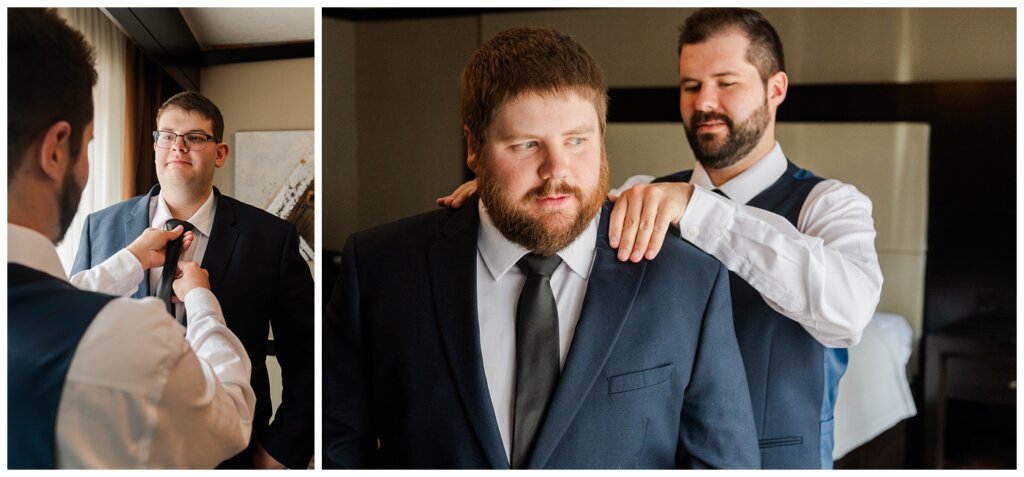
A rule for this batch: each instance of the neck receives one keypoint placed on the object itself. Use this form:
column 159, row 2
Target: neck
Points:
column 183, row 205
column 726, row 174
column 29, row 207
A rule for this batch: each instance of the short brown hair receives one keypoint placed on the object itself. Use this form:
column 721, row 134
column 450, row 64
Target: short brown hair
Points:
column 765, row 50
column 520, row 60
column 192, row 102
column 50, row 79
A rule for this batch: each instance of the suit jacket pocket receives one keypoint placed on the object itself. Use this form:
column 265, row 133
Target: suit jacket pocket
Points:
column 639, row 379
column 780, row 442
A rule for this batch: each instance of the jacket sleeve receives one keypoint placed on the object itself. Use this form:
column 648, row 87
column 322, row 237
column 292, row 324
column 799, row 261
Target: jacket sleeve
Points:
column 348, row 441
column 717, row 428
column 289, row 439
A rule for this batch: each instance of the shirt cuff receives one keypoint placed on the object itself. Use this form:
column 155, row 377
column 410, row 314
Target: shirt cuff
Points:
column 130, row 264
column 202, row 303
column 118, row 275
column 706, row 219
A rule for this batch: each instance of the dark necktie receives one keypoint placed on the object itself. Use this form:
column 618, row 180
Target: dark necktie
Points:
column 171, row 255
column 536, row 353
column 719, row 192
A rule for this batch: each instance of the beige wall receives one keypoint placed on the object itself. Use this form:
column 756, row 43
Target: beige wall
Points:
column 410, row 139
column 259, row 96
column 340, row 134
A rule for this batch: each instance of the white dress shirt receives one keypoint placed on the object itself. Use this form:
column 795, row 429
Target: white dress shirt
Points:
column 141, row 392
column 202, row 220
column 498, row 284
column 823, row 274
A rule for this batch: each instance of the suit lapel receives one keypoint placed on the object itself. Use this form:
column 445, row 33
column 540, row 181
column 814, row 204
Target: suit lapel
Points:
column 223, row 236
column 138, row 222
column 611, row 289
column 452, row 263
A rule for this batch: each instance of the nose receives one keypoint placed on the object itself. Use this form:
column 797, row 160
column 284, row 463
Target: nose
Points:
column 183, row 147
column 707, row 99
column 555, row 166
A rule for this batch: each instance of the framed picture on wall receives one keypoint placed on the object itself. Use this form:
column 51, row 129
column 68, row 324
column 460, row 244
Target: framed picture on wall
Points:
column 274, row 170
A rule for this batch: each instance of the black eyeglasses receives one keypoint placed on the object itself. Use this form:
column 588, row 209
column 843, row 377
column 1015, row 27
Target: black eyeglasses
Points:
column 194, row 140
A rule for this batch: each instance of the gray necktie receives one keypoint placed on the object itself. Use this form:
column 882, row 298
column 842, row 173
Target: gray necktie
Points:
column 537, row 355
column 172, row 253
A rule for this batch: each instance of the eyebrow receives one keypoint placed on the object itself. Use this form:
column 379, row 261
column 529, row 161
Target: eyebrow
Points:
column 579, row 130
column 716, row 75
column 190, row 131
column 576, row 131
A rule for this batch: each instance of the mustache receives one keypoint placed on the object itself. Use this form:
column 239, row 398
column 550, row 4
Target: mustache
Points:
column 699, row 117
column 550, row 188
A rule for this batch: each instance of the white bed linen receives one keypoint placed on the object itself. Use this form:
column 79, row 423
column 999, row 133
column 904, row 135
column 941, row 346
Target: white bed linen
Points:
column 874, row 394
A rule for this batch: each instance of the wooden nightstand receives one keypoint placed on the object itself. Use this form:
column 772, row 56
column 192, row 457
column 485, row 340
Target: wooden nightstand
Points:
column 971, row 360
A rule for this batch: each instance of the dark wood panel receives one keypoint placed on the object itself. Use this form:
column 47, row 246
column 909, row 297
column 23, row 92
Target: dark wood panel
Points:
column 165, row 37
column 284, row 51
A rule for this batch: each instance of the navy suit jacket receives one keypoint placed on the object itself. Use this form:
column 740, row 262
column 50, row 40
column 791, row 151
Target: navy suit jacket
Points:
column 260, row 280
column 653, row 378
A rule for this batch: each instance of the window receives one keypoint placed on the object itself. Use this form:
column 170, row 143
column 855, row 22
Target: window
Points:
column 106, row 152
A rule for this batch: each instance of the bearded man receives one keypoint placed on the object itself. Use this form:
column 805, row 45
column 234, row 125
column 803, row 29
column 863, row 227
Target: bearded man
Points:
column 800, row 249
column 506, row 334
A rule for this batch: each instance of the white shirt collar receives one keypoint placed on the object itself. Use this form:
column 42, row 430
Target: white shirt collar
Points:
column 749, row 183
column 500, row 254
column 32, row 249
column 202, row 219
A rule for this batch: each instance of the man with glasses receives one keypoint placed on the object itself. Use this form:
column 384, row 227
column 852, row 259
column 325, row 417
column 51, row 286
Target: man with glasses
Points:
column 256, row 270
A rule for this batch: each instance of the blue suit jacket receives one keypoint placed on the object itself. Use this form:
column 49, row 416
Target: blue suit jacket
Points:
column 260, row 280
column 653, row 378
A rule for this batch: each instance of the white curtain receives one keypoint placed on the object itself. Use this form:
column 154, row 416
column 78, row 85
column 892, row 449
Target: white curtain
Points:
column 106, row 152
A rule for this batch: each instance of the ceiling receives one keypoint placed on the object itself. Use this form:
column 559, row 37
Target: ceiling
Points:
column 237, row 27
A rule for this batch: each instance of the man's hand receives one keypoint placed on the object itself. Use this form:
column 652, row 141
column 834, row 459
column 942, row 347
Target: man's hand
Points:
column 459, row 196
column 641, row 217
column 261, row 459
column 190, row 276
column 149, row 247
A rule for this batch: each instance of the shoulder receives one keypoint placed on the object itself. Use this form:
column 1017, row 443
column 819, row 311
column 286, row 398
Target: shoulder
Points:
column 677, row 253
column 413, row 232
column 117, row 210
column 130, row 345
column 251, row 214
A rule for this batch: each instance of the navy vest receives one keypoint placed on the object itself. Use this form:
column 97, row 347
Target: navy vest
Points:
column 46, row 318
column 793, row 379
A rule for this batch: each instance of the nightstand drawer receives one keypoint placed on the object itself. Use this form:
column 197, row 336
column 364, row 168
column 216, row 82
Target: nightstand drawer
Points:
column 981, row 378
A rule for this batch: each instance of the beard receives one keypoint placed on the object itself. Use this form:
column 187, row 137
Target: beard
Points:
column 740, row 140
column 67, row 203
column 551, row 232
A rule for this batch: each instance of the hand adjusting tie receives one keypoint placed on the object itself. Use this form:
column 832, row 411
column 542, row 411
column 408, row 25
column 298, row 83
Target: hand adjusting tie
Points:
column 172, row 252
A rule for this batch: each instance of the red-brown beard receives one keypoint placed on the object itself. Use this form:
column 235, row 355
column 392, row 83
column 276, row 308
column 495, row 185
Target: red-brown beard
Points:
column 541, row 235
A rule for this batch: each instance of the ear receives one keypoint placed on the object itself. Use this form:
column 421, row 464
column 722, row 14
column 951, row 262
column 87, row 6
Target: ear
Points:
column 472, row 154
column 222, row 154
column 55, row 152
column 778, row 84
